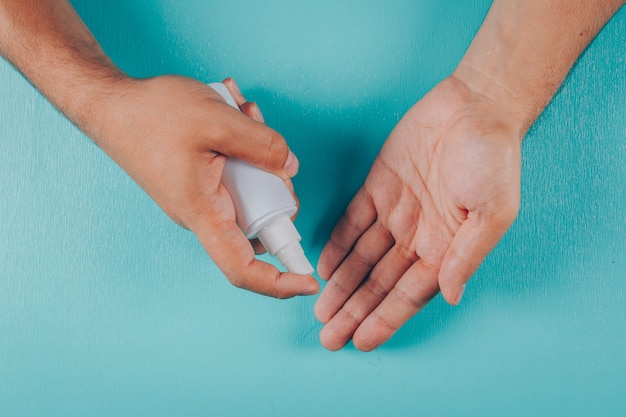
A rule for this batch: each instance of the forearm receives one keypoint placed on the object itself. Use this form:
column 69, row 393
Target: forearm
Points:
column 48, row 42
column 525, row 48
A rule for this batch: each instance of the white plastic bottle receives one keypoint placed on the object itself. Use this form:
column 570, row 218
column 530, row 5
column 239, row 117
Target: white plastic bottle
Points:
column 264, row 206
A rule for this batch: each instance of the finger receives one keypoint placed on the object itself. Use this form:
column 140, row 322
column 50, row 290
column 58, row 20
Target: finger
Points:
column 257, row 246
column 235, row 91
column 368, row 250
column 248, row 108
column 231, row 251
column 252, row 110
column 476, row 237
column 410, row 294
column 339, row 330
column 249, row 139
column 254, row 142
column 359, row 215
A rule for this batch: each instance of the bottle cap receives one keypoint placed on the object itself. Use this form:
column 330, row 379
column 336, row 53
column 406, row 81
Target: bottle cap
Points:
column 281, row 239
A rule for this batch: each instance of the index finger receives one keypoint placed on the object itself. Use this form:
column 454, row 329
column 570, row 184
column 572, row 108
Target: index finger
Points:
column 233, row 254
column 411, row 293
column 358, row 217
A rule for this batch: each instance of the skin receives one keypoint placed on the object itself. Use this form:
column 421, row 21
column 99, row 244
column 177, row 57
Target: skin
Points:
column 170, row 134
column 446, row 185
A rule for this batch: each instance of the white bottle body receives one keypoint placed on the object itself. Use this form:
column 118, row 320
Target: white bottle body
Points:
column 258, row 196
column 264, row 206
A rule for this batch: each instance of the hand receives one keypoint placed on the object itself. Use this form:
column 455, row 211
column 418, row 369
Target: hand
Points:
column 171, row 135
column 440, row 195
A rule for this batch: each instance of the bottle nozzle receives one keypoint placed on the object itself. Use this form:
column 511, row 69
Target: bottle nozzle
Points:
column 281, row 239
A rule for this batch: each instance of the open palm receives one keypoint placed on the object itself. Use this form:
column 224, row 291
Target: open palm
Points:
column 440, row 195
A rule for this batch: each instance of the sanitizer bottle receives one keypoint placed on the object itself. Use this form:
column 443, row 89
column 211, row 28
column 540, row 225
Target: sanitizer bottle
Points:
column 264, row 206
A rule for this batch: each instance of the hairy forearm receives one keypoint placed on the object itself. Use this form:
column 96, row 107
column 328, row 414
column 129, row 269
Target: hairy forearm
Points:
column 525, row 48
column 48, row 42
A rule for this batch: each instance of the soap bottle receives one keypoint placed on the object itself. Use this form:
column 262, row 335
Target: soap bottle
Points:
column 264, row 206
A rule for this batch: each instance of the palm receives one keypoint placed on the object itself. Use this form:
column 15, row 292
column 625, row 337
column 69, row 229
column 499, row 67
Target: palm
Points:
column 443, row 190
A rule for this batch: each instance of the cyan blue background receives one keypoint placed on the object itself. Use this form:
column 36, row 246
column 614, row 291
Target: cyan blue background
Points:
column 109, row 309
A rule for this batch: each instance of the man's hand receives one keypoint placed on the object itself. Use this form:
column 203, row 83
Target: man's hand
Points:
column 171, row 135
column 442, row 192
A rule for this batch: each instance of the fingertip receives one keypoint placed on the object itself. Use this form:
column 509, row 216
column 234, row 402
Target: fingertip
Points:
column 291, row 285
column 234, row 90
column 371, row 334
column 365, row 348
column 322, row 272
column 459, row 294
column 453, row 294
column 292, row 165
column 329, row 341
column 324, row 268
column 364, row 344
column 320, row 311
column 251, row 109
column 312, row 287
column 272, row 153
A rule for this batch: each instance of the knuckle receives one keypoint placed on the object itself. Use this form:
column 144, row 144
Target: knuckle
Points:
column 374, row 287
column 276, row 152
column 351, row 316
column 237, row 283
column 278, row 291
column 405, row 296
column 339, row 288
column 339, row 244
column 405, row 252
column 281, row 294
column 363, row 258
column 468, row 264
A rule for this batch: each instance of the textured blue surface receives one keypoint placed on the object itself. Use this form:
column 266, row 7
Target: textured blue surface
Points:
column 108, row 308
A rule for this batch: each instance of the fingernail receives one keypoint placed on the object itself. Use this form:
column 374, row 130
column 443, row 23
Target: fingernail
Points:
column 459, row 294
column 291, row 165
column 236, row 87
column 258, row 114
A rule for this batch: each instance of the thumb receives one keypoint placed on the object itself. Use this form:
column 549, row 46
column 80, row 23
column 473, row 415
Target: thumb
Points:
column 476, row 237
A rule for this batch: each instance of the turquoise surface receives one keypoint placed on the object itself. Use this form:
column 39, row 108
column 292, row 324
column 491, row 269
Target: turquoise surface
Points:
column 107, row 308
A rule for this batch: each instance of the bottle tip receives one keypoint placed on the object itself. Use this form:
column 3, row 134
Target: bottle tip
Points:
column 299, row 265
column 281, row 239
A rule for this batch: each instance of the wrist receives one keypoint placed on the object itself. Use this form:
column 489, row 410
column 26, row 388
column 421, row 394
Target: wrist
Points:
column 496, row 89
column 500, row 65
column 525, row 48
column 92, row 101
column 51, row 46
